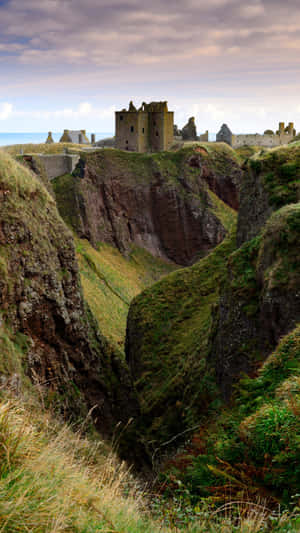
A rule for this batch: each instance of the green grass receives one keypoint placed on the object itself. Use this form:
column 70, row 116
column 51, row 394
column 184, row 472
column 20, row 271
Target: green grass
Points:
column 280, row 171
column 250, row 452
column 30, row 148
column 110, row 281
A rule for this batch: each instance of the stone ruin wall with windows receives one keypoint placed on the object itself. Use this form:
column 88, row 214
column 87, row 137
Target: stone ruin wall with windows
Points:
column 148, row 129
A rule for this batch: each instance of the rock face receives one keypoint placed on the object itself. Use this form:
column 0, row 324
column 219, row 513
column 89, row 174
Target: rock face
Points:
column 160, row 202
column 191, row 336
column 189, row 131
column 270, row 181
column 260, row 301
column 40, row 295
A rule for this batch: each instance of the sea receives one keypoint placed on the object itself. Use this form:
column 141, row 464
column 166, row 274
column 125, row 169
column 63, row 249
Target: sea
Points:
column 40, row 137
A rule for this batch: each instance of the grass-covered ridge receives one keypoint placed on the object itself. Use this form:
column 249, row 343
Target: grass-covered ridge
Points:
column 280, row 171
column 170, row 328
column 110, row 281
column 43, row 148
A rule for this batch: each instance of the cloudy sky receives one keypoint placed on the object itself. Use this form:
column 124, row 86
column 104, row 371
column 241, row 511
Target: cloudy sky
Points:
column 71, row 63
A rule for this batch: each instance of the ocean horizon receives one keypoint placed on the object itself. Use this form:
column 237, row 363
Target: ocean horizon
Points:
column 7, row 139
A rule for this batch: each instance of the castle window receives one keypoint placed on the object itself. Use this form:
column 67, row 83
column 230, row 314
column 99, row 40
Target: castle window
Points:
column 126, row 142
column 131, row 129
column 143, row 130
column 156, row 134
column 121, row 117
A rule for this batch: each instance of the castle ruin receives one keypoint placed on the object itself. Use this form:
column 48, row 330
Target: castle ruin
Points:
column 147, row 129
column 268, row 140
column 74, row 136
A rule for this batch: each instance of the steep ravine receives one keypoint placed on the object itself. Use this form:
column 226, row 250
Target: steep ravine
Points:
column 190, row 336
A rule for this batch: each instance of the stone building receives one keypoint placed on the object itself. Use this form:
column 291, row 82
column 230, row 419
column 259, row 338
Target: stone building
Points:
column 268, row 140
column 74, row 136
column 147, row 129
column 224, row 135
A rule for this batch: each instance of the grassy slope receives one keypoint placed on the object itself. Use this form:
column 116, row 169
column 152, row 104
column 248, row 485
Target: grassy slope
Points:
column 30, row 148
column 110, row 281
column 252, row 448
column 53, row 480
column 175, row 321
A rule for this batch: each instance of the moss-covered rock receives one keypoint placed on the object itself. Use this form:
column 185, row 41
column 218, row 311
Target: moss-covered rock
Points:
column 261, row 298
column 169, row 331
column 271, row 180
column 41, row 303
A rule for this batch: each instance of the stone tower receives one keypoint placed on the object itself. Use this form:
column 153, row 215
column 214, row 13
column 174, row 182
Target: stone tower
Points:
column 148, row 129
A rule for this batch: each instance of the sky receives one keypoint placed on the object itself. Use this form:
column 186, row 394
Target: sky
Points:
column 72, row 63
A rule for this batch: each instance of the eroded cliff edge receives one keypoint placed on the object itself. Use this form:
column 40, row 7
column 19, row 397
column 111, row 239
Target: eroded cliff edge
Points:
column 160, row 202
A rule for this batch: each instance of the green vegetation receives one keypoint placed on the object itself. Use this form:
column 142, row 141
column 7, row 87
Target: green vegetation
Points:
column 252, row 448
column 55, row 148
column 110, row 281
column 246, row 152
column 53, row 480
column 141, row 167
column 245, row 453
column 173, row 323
column 66, row 189
column 280, row 171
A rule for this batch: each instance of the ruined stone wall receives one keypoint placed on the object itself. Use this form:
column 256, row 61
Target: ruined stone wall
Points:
column 168, row 129
column 127, row 130
column 59, row 164
column 143, row 132
column 156, row 131
column 204, row 137
column 268, row 141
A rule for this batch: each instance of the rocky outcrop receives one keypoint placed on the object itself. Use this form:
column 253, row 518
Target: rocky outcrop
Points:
column 41, row 298
column 160, row 202
column 261, row 300
column 270, row 181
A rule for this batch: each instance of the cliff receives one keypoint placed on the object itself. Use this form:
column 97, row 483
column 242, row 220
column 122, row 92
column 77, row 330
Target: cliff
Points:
column 52, row 335
column 271, row 180
column 159, row 202
column 192, row 335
